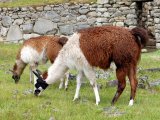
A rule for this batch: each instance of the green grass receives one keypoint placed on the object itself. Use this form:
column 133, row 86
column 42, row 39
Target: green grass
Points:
column 17, row 3
column 16, row 105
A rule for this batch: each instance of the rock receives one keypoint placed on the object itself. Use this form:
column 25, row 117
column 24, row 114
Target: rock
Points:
column 154, row 83
column 131, row 16
column 106, row 15
column 27, row 28
column 157, row 20
column 4, row 31
column 101, row 9
column 14, row 33
column 14, row 16
column 24, row 9
column 47, row 8
column 66, row 29
column 81, row 18
column 92, row 14
column 91, row 20
column 6, row 21
column 39, row 8
column 18, row 22
column 82, row 26
column 27, row 36
column 112, row 83
column 120, row 24
column 83, row 11
column 42, row 26
column 102, row 1
column 1, row 39
column 52, row 15
column 52, row 118
column 101, row 20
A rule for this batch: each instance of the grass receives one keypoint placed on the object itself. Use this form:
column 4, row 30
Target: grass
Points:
column 17, row 104
column 17, row 3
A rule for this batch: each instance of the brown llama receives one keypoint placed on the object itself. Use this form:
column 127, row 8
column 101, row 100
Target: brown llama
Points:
column 98, row 47
column 37, row 50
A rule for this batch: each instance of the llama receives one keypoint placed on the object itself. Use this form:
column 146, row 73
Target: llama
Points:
column 98, row 47
column 37, row 50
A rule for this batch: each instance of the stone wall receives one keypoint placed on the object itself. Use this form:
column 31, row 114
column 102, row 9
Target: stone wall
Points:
column 21, row 23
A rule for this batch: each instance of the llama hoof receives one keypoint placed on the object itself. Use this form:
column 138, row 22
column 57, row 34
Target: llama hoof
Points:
column 66, row 89
column 97, row 103
column 131, row 102
column 75, row 99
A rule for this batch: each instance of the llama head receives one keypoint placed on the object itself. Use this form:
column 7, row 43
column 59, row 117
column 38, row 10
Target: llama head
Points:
column 40, row 84
column 17, row 70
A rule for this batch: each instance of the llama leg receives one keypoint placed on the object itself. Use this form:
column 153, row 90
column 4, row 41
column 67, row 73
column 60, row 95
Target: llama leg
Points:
column 121, row 74
column 67, row 80
column 31, row 75
column 79, row 78
column 133, row 83
column 61, row 83
column 90, row 74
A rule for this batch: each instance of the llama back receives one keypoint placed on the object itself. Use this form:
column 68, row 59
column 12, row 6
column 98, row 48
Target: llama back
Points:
column 108, row 43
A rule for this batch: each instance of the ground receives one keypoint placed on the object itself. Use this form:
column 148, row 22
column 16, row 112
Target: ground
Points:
column 18, row 102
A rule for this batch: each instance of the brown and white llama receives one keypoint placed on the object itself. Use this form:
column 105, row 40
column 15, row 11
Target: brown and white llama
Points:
column 37, row 50
column 98, row 47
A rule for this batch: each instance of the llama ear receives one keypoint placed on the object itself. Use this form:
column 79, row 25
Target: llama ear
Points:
column 39, row 72
column 36, row 74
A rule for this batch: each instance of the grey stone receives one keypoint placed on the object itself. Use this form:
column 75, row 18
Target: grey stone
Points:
column 83, row 11
column 4, row 31
column 101, row 9
column 18, row 22
column 28, row 36
column 157, row 20
column 6, row 21
column 92, row 14
column 102, row 1
column 111, row 10
column 58, row 8
column 64, row 13
column 27, row 28
column 130, row 16
column 117, row 13
column 42, row 26
column 47, row 8
column 66, row 29
column 82, row 25
column 81, row 18
column 1, row 39
column 112, row 83
column 130, row 22
column 39, row 8
column 14, row 33
column 120, row 24
column 4, row 9
column 101, row 20
column 14, row 16
column 106, row 14
column 91, row 20
column 24, row 9
column 52, row 15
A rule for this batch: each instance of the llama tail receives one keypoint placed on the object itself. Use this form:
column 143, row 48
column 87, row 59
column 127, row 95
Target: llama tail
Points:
column 141, row 36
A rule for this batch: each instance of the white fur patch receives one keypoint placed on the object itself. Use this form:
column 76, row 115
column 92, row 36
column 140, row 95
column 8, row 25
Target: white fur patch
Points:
column 30, row 55
column 70, row 56
column 131, row 102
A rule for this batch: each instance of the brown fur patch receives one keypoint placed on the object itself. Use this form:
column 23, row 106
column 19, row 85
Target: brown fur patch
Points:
column 62, row 40
column 51, row 43
column 102, row 45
